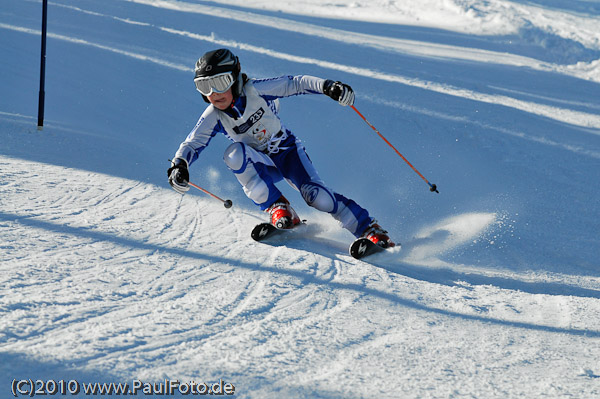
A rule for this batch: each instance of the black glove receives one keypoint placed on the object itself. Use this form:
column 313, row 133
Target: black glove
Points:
column 340, row 92
column 179, row 176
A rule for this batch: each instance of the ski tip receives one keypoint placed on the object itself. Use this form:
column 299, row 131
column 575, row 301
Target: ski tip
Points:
column 262, row 231
column 363, row 247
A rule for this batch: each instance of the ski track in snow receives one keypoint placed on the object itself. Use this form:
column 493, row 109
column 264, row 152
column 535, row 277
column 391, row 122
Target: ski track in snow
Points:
column 414, row 47
column 110, row 279
column 569, row 116
column 155, row 275
column 471, row 16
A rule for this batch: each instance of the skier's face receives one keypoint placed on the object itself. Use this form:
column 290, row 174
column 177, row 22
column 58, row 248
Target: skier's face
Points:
column 221, row 100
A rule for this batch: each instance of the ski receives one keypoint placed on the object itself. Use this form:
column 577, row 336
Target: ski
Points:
column 263, row 231
column 362, row 247
column 359, row 249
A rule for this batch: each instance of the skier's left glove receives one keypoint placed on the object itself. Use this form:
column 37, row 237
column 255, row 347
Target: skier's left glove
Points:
column 340, row 92
column 179, row 177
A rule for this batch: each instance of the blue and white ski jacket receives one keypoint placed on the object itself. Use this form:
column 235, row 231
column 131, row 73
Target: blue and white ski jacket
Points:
column 253, row 119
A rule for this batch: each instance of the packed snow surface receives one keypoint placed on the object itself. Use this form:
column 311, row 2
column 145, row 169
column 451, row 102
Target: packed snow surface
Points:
column 108, row 275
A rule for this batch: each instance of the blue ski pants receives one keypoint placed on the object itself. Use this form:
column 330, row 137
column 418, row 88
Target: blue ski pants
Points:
column 258, row 172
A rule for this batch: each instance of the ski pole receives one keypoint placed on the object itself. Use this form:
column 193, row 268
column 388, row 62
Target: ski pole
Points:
column 226, row 203
column 432, row 187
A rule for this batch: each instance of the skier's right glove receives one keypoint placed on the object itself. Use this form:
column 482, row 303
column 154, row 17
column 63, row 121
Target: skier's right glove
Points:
column 340, row 92
column 179, row 176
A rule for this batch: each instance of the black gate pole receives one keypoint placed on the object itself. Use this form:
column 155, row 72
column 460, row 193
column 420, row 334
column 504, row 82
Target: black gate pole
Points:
column 43, row 66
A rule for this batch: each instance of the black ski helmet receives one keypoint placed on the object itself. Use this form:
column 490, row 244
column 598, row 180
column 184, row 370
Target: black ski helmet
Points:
column 220, row 61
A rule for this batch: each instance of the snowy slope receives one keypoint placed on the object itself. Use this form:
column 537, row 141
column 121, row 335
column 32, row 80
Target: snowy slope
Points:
column 108, row 275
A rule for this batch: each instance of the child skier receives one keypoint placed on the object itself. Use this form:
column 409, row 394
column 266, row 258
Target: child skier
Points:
column 264, row 151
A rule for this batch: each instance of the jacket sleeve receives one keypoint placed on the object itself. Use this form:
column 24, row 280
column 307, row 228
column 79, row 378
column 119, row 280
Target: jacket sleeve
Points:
column 286, row 86
column 206, row 128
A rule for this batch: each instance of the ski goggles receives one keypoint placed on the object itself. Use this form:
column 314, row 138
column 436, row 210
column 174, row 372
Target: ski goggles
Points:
column 217, row 83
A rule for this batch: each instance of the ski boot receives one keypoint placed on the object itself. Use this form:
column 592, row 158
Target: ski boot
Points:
column 282, row 214
column 377, row 235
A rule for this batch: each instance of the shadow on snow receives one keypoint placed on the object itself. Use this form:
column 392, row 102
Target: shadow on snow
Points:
column 446, row 277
